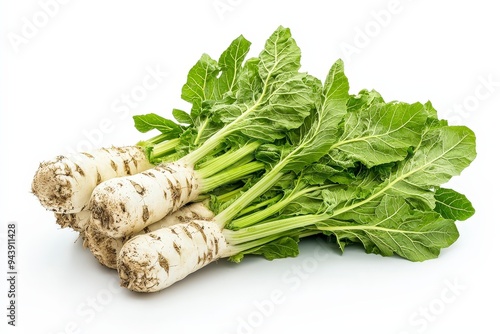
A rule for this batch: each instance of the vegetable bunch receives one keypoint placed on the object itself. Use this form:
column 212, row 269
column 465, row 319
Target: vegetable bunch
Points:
column 267, row 155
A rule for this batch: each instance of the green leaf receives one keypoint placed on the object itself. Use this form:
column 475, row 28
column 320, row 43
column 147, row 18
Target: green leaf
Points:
column 431, row 111
column 316, row 136
column 200, row 83
column 237, row 258
column 271, row 153
column 273, row 97
column 288, row 101
column 380, row 133
column 281, row 55
column 352, row 166
column 210, row 81
column 363, row 100
column 335, row 94
column 230, row 63
column 148, row 122
column 317, row 174
column 392, row 227
column 433, row 121
column 310, row 203
column 249, row 83
column 443, row 153
column 343, row 199
column 182, row 116
column 278, row 249
column 451, row 204
column 312, row 139
column 389, row 209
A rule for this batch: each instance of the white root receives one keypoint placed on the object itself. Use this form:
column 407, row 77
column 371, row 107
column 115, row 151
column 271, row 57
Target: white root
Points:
column 123, row 206
column 106, row 249
column 64, row 184
column 154, row 261
column 77, row 221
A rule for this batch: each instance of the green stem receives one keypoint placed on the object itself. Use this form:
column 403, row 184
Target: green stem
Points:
column 154, row 140
column 280, row 225
column 170, row 157
column 221, row 197
column 300, row 233
column 225, row 160
column 163, row 148
column 206, row 148
column 268, row 229
column 259, row 205
column 244, row 200
column 159, row 138
column 200, row 132
column 269, row 211
column 248, row 246
column 307, row 233
column 242, row 161
column 230, row 175
column 263, row 185
column 229, row 195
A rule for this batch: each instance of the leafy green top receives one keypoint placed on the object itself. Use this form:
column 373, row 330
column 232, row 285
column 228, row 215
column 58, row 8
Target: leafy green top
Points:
column 349, row 166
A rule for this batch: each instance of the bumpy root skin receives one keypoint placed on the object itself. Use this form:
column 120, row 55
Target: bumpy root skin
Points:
column 106, row 249
column 123, row 206
column 77, row 221
column 64, row 184
column 154, row 261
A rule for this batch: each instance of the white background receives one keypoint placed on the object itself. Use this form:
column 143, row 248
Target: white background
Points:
column 62, row 86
